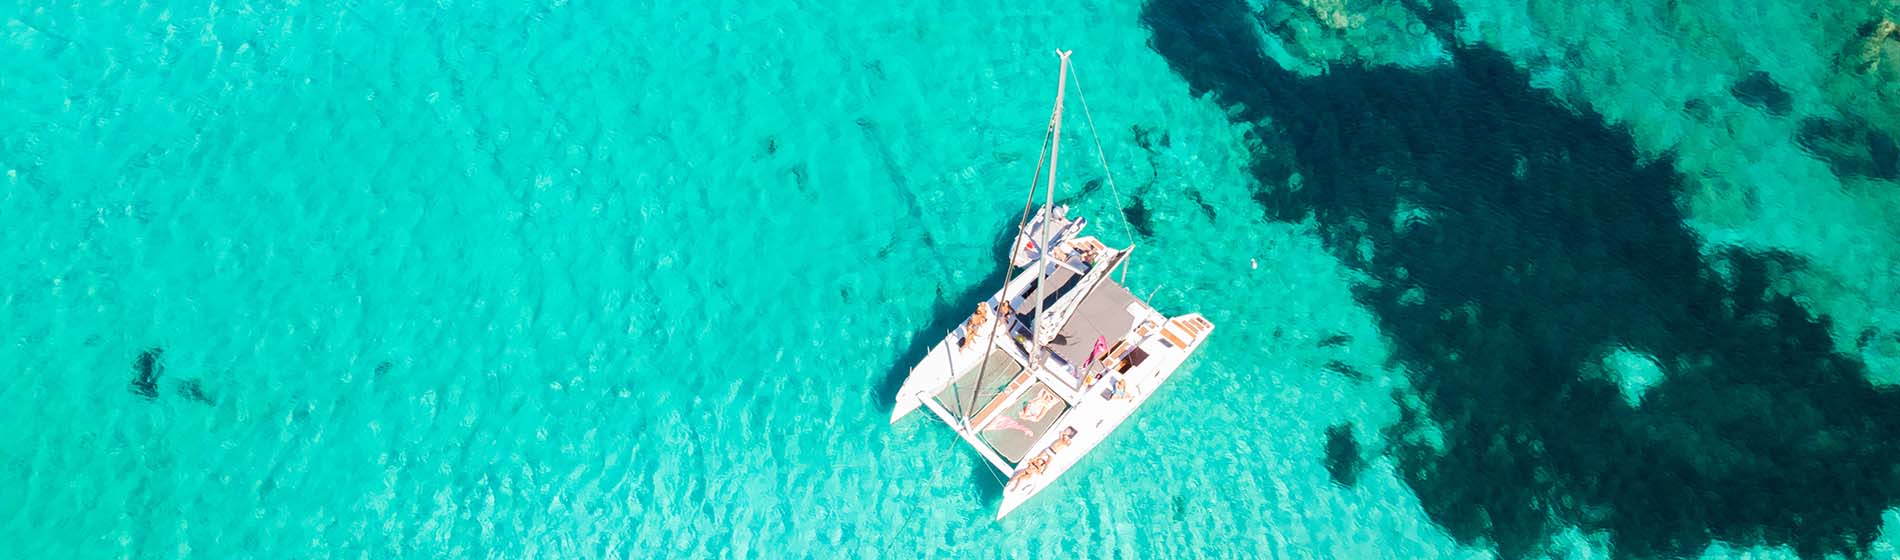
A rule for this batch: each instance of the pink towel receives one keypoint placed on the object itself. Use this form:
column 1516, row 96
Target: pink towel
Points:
column 1101, row 345
column 1007, row 423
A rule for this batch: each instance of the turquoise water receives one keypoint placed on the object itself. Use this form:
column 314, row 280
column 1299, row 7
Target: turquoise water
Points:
column 594, row 280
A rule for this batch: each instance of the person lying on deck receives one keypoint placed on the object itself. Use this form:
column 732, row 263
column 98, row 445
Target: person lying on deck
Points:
column 977, row 320
column 1036, row 408
column 1034, row 467
column 1062, row 443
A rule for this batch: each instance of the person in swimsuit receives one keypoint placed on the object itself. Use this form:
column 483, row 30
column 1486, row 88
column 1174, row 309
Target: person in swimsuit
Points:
column 970, row 328
column 1036, row 408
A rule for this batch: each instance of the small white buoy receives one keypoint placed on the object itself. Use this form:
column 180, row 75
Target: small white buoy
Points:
column 1256, row 263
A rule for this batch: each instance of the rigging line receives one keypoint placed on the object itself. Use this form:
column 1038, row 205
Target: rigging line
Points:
column 1010, row 270
column 1103, row 157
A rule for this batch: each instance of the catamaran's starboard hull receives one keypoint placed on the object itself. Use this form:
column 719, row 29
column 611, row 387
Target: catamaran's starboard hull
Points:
column 1093, row 424
column 1094, row 415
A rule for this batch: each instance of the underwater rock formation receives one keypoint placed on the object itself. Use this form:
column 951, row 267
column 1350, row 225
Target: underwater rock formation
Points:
column 1760, row 90
column 145, row 372
column 1547, row 240
column 194, row 391
column 1850, row 148
column 1319, row 32
column 1877, row 47
column 1865, row 83
column 1343, row 462
column 1137, row 216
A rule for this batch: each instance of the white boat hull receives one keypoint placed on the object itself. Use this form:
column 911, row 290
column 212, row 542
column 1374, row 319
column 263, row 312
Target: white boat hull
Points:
column 1165, row 344
column 1094, row 423
column 1058, row 358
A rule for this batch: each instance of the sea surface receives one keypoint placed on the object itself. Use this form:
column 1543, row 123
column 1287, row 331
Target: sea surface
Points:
column 577, row 279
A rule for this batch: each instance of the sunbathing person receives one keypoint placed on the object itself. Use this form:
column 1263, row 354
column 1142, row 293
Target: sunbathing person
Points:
column 976, row 321
column 1030, row 469
column 1062, row 443
column 1036, row 408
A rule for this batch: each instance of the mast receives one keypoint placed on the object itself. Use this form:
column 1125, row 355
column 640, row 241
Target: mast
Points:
column 1055, row 149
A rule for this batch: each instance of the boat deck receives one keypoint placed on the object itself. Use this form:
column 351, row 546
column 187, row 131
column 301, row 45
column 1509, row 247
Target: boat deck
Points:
column 1017, row 427
column 1108, row 313
column 975, row 388
column 1021, row 395
column 1033, row 423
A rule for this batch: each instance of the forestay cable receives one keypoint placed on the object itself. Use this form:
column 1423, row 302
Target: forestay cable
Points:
column 1102, row 156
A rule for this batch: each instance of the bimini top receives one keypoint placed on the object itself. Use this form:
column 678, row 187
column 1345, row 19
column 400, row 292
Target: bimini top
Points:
column 1108, row 312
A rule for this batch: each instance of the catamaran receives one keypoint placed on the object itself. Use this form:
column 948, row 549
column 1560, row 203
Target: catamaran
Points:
column 1059, row 357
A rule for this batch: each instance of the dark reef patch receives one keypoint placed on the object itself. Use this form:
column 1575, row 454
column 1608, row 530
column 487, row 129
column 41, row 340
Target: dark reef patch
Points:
column 1088, row 190
column 801, row 177
column 194, row 390
column 1550, row 243
column 1343, row 461
column 1137, row 216
column 1850, row 148
column 1761, row 91
column 1345, row 370
column 145, row 371
column 1698, row 109
column 1148, row 138
column 1205, row 207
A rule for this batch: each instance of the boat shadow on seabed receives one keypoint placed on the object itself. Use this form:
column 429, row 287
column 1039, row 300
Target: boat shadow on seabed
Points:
column 946, row 314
